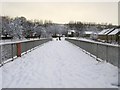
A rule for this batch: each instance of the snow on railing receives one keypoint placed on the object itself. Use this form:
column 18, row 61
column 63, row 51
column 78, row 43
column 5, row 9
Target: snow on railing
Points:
column 11, row 50
column 101, row 51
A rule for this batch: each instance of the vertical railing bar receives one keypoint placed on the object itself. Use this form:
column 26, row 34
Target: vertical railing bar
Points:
column 25, row 47
column 97, row 52
column 107, row 53
column 12, row 51
column 1, row 55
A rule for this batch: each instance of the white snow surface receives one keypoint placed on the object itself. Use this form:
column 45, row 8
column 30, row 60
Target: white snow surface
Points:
column 114, row 32
column 90, row 40
column 58, row 64
column 88, row 32
column 4, row 42
column 103, row 32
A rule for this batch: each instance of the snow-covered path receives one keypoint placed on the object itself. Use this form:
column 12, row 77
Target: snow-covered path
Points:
column 58, row 64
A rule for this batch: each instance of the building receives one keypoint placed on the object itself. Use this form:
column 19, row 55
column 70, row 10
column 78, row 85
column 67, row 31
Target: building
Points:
column 87, row 34
column 103, row 35
column 114, row 36
column 109, row 35
column 3, row 37
column 71, row 33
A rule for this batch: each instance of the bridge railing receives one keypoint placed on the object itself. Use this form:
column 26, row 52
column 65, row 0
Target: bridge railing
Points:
column 107, row 52
column 9, row 51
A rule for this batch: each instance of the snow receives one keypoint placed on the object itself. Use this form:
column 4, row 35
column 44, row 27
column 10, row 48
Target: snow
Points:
column 109, row 30
column 114, row 32
column 93, row 41
column 71, row 30
column 88, row 32
column 58, row 64
column 4, row 42
column 103, row 32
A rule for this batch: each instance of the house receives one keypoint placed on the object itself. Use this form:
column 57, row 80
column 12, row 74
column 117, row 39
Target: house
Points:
column 87, row 34
column 3, row 37
column 103, row 35
column 109, row 35
column 71, row 33
column 114, row 36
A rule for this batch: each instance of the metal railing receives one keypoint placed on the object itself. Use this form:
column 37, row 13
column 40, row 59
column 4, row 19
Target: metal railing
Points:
column 9, row 51
column 107, row 52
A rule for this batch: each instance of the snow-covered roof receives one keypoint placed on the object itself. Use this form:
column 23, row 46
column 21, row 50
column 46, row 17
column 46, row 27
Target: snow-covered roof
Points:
column 88, row 32
column 108, row 31
column 5, row 36
column 71, row 31
column 103, row 32
column 2, row 36
column 114, row 32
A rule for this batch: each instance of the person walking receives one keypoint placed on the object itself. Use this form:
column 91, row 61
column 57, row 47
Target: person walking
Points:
column 59, row 38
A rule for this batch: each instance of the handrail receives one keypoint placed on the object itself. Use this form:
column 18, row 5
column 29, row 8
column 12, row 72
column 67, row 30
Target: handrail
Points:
column 11, row 50
column 101, row 51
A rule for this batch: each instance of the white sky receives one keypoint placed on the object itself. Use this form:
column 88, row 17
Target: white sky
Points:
column 63, row 12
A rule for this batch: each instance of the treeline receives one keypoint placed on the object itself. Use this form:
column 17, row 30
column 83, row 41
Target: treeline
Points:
column 88, row 26
column 20, row 27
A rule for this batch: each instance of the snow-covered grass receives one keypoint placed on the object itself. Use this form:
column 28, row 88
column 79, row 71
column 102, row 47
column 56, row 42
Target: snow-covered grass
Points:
column 58, row 64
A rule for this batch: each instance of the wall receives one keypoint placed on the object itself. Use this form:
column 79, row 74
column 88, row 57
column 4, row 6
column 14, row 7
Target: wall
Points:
column 10, row 50
column 107, row 52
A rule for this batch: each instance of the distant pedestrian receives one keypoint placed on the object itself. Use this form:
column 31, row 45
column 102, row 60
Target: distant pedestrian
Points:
column 59, row 38
column 39, row 36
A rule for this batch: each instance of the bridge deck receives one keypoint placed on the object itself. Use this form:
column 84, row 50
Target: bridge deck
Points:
column 58, row 64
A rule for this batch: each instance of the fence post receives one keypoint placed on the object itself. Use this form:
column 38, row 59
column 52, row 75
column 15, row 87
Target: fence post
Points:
column 12, row 51
column 1, row 61
column 18, row 49
column 97, row 52
column 107, row 53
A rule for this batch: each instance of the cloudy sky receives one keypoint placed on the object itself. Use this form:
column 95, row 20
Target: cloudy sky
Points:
column 63, row 12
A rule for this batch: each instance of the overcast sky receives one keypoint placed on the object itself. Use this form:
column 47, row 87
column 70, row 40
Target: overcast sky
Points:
column 106, row 12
